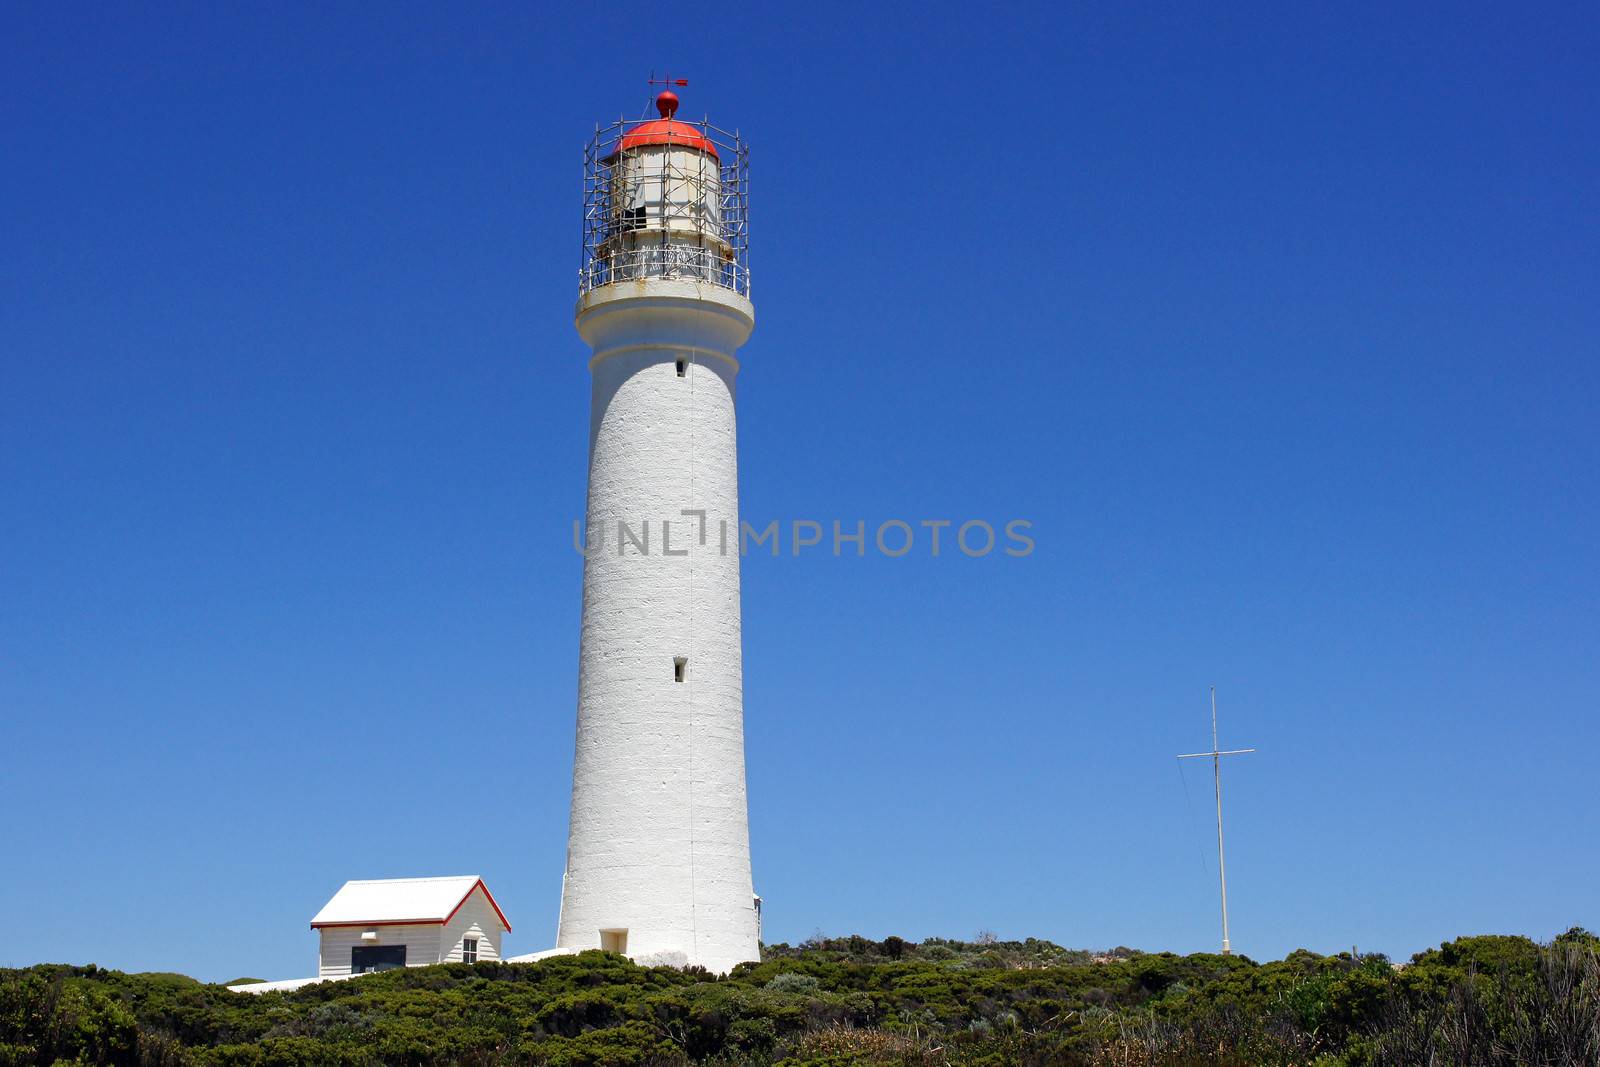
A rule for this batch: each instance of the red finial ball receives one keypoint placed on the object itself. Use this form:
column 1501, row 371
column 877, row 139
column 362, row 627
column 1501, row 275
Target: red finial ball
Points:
column 667, row 104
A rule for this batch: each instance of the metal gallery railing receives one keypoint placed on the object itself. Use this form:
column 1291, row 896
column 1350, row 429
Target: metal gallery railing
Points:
column 667, row 261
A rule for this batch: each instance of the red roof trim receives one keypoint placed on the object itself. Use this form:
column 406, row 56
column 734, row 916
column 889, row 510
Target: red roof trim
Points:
column 391, row 922
column 487, row 895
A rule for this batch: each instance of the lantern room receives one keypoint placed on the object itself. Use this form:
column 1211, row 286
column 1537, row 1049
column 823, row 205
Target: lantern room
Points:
column 665, row 198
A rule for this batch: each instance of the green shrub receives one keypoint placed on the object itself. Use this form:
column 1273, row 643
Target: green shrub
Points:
column 793, row 982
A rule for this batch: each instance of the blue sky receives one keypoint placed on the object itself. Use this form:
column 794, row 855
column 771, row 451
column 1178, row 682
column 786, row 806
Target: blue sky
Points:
column 1279, row 325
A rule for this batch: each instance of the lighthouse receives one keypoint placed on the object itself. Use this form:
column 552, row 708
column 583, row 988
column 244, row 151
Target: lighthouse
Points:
column 658, row 850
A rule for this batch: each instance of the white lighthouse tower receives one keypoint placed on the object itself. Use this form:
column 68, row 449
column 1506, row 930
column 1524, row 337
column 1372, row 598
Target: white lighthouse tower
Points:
column 658, row 854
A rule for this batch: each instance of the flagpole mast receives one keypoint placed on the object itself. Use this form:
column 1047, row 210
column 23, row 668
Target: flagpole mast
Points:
column 1216, row 755
column 1222, row 863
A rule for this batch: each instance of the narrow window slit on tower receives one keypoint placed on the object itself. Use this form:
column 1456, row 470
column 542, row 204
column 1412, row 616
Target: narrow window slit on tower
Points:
column 683, row 368
column 680, row 668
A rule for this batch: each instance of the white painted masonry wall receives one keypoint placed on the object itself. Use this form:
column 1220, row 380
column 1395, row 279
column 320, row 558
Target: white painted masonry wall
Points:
column 659, row 839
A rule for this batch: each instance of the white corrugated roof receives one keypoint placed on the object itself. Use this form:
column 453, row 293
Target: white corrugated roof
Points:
column 395, row 900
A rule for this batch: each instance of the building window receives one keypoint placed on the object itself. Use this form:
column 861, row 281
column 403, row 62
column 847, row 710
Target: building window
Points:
column 683, row 368
column 366, row 958
column 680, row 668
column 614, row 941
column 469, row 950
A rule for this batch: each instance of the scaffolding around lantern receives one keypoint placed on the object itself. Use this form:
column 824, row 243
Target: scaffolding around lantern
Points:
column 666, row 207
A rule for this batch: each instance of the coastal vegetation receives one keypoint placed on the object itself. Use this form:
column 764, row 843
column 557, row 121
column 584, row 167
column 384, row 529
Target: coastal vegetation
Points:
column 837, row 1001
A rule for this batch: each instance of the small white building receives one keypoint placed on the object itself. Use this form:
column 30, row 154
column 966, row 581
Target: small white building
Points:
column 408, row 922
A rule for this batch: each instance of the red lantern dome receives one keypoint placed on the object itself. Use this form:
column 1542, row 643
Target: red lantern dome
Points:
column 667, row 130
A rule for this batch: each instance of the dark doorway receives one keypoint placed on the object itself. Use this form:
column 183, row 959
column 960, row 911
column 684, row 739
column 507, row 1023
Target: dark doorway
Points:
column 364, row 958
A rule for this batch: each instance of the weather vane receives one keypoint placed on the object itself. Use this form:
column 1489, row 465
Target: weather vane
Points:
column 667, row 100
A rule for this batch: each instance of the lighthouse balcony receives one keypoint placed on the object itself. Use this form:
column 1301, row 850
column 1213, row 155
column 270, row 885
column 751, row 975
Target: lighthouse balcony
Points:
column 680, row 262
